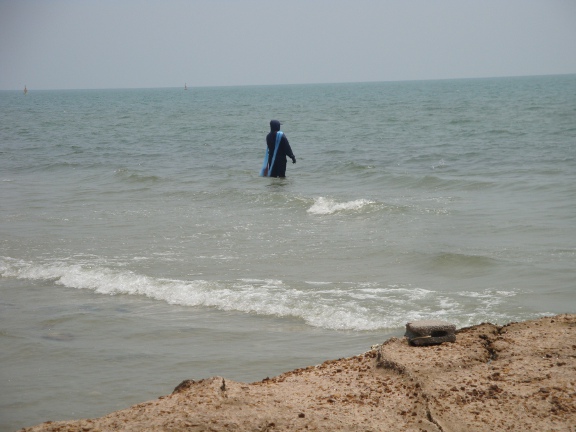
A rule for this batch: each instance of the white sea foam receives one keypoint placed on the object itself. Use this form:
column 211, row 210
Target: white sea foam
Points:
column 342, row 306
column 325, row 206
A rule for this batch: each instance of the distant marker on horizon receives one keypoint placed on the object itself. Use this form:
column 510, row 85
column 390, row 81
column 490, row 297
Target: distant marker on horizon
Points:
column 25, row 90
column 185, row 86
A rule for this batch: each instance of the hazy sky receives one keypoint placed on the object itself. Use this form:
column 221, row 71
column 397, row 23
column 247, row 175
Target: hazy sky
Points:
column 68, row 44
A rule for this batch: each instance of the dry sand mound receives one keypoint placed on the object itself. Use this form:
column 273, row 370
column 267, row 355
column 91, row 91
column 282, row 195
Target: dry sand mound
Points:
column 519, row 377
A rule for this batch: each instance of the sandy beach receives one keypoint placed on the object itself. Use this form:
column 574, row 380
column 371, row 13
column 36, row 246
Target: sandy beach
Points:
column 516, row 377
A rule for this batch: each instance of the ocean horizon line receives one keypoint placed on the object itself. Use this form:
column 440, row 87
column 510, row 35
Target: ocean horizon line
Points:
column 189, row 87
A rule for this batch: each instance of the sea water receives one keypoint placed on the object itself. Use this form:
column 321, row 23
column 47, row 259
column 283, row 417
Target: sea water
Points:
column 139, row 247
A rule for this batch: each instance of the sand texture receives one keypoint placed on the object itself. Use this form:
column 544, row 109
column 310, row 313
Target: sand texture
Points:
column 517, row 377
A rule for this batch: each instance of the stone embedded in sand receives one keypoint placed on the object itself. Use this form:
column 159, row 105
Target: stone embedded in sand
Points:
column 430, row 332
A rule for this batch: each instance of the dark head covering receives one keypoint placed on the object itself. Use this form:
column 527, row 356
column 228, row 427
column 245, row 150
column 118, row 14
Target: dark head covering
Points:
column 275, row 125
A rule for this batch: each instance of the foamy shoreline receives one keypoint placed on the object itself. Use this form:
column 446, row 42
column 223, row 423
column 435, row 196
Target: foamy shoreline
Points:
column 521, row 376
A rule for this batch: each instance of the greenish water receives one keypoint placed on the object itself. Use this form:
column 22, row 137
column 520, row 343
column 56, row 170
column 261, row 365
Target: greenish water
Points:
column 139, row 246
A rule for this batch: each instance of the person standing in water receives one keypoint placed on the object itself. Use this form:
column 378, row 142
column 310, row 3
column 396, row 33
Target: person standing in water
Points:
column 278, row 149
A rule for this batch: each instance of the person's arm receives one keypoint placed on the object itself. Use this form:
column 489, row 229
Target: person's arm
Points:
column 288, row 149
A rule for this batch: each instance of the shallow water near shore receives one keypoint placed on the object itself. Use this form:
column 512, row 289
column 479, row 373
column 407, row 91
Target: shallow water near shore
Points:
column 139, row 246
column 86, row 355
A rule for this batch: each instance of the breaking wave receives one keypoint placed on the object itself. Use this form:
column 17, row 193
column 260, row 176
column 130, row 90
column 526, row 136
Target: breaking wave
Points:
column 356, row 306
column 326, row 206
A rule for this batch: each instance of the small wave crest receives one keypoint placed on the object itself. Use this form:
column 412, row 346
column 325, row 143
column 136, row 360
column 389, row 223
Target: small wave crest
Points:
column 135, row 177
column 457, row 260
column 326, row 206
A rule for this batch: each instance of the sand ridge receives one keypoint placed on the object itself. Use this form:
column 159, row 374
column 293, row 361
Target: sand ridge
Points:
column 517, row 377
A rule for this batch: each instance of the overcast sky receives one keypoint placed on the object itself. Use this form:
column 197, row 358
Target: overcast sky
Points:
column 71, row 44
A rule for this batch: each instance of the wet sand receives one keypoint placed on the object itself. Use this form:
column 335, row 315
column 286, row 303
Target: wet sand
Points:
column 517, row 377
